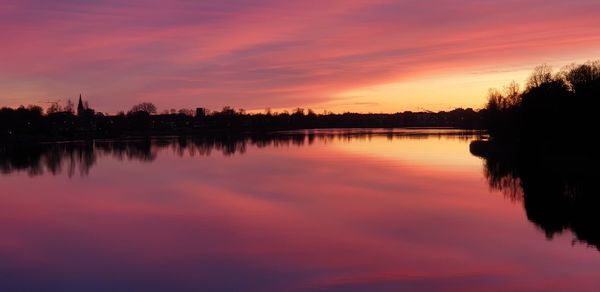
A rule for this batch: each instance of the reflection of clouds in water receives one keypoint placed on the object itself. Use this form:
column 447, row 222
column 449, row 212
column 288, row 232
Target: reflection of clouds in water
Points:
column 435, row 152
column 273, row 219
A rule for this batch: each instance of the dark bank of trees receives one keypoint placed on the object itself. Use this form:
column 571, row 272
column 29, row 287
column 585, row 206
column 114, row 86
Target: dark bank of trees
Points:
column 62, row 123
column 555, row 111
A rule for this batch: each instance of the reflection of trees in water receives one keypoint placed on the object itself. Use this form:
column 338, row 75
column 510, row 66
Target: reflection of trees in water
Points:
column 140, row 150
column 503, row 176
column 38, row 159
column 79, row 157
column 557, row 194
column 72, row 157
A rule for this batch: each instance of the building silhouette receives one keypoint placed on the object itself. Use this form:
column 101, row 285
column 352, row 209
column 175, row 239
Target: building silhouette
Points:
column 80, row 107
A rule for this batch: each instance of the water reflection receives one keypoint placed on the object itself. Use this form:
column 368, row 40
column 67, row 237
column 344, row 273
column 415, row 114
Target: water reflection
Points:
column 335, row 210
column 558, row 194
column 79, row 157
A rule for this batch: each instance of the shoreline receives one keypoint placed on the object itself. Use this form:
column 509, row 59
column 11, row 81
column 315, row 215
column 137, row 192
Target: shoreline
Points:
column 87, row 136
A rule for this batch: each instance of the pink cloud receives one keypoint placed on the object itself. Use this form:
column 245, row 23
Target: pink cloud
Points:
column 258, row 54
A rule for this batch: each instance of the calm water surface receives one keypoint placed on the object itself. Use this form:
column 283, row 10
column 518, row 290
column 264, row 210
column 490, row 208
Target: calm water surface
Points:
column 362, row 210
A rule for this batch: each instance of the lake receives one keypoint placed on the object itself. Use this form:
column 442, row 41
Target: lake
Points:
column 326, row 210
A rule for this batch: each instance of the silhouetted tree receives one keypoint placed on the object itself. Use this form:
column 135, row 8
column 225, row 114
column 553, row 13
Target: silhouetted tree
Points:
column 540, row 75
column 70, row 107
column 551, row 103
column 54, row 108
column 146, row 107
column 227, row 111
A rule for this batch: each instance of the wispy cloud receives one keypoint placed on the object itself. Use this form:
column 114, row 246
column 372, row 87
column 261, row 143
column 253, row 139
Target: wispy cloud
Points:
column 267, row 53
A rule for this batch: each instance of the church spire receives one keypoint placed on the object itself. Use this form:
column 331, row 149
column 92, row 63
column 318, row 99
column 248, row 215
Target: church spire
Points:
column 80, row 107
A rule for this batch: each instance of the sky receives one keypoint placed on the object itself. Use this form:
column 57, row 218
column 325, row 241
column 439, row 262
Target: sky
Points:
column 336, row 55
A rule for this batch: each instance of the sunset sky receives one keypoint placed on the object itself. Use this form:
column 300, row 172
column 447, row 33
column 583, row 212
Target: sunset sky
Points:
column 339, row 55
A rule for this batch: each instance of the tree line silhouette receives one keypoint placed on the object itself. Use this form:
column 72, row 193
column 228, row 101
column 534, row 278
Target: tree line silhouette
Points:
column 550, row 123
column 63, row 123
column 557, row 106
column 551, row 103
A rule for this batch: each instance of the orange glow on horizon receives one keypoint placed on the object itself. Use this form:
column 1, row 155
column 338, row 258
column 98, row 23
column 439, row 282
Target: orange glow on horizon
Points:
column 359, row 55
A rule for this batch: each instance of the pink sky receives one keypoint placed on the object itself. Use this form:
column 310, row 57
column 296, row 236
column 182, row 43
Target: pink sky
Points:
column 359, row 55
